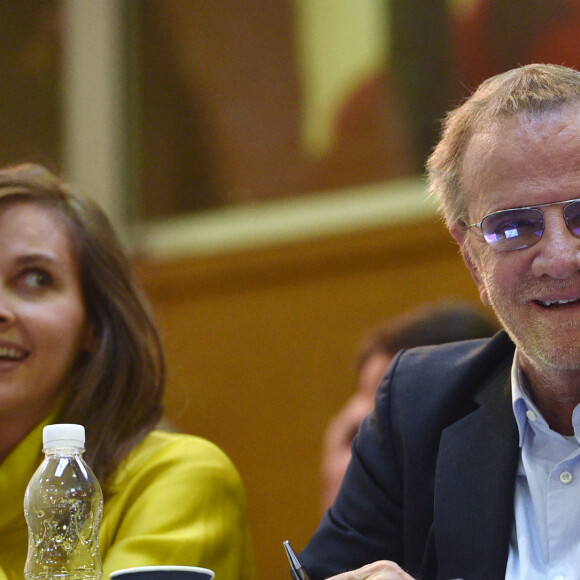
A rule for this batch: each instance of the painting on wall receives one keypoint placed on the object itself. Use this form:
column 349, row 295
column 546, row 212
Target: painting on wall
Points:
column 226, row 88
column 242, row 102
column 30, row 64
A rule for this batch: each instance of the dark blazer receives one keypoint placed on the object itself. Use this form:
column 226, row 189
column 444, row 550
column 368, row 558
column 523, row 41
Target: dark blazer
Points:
column 431, row 481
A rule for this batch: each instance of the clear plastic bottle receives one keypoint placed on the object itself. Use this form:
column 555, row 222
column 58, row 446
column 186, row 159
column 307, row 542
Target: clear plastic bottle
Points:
column 63, row 506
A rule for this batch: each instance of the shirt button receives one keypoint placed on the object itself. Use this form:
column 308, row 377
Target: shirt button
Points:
column 565, row 477
column 531, row 415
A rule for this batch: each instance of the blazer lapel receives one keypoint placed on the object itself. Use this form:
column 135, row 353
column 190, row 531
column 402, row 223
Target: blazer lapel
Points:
column 474, row 488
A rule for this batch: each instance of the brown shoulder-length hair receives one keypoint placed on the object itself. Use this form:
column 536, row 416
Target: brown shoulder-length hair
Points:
column 116, row 390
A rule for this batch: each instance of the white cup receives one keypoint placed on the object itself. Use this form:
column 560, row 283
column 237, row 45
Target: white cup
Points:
column 163, row 573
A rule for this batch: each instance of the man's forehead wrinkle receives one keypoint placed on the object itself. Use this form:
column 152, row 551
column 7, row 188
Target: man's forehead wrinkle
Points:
column 537, row 123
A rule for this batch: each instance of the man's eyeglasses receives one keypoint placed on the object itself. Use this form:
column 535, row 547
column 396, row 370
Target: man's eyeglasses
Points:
column 522, row 227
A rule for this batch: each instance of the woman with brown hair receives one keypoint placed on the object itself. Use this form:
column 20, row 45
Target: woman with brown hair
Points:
column 78, row 345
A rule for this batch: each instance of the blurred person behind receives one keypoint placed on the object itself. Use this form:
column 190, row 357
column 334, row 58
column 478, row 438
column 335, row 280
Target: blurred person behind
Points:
column 433, row 323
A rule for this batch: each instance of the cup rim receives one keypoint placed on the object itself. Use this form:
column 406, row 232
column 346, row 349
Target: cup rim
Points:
column 164, row 568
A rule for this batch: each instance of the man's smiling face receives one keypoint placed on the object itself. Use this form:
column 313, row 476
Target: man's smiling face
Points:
column 523, row 161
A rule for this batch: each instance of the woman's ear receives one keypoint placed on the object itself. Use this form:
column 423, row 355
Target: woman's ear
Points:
column 459, row 235
column 90, row 338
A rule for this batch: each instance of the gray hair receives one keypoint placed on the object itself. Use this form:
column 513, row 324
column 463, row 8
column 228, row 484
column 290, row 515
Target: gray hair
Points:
column 530, row 89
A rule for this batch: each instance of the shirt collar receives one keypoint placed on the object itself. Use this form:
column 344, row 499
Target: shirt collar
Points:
column 522, row 404
column 524, row 408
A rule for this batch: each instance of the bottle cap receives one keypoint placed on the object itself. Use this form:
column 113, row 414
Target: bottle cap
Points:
column 63, row 435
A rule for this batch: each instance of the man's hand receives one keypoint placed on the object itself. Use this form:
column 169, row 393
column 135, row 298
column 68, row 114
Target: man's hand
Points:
column 381, row 570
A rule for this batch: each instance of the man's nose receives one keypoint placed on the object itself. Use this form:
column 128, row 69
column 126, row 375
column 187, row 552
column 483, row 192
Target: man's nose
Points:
column 558, row 251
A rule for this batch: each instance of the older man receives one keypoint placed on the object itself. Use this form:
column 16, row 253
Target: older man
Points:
column 469, row 467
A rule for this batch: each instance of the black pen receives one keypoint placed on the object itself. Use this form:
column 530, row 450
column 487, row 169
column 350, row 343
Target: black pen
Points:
column 296, row 566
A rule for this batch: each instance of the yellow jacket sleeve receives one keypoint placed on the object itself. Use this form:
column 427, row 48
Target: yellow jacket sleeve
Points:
column 177, row 499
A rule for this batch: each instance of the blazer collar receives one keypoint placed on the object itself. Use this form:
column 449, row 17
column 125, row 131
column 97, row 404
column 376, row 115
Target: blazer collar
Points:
column 474, row 487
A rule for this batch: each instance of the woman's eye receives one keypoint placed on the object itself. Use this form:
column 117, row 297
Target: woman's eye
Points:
column 36, row 279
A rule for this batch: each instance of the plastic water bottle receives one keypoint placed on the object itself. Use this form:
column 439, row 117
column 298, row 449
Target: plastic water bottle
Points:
column 63, row 506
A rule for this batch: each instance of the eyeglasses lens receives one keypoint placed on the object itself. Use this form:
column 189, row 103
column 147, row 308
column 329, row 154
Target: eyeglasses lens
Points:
column 514, row 229
column 572, row 217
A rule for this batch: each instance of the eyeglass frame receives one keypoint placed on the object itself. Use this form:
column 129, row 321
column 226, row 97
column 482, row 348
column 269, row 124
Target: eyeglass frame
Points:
column 538, row 207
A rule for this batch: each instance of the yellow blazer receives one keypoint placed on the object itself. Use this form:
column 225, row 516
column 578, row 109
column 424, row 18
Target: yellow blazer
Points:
column 176, row 499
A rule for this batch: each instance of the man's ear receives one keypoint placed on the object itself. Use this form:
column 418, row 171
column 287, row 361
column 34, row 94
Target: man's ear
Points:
column 459, row 235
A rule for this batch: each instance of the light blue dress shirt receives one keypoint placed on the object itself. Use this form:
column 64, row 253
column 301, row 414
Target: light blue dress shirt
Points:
column 545, row 542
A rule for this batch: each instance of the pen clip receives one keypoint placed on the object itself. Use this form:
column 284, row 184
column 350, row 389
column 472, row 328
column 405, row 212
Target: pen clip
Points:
column 296, row 566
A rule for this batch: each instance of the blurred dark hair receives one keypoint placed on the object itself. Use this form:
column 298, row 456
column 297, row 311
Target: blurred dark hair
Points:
column 116, row 390
column 434, row 323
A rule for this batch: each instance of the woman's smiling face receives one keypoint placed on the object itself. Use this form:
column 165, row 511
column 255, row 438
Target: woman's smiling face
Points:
column 43, row 321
